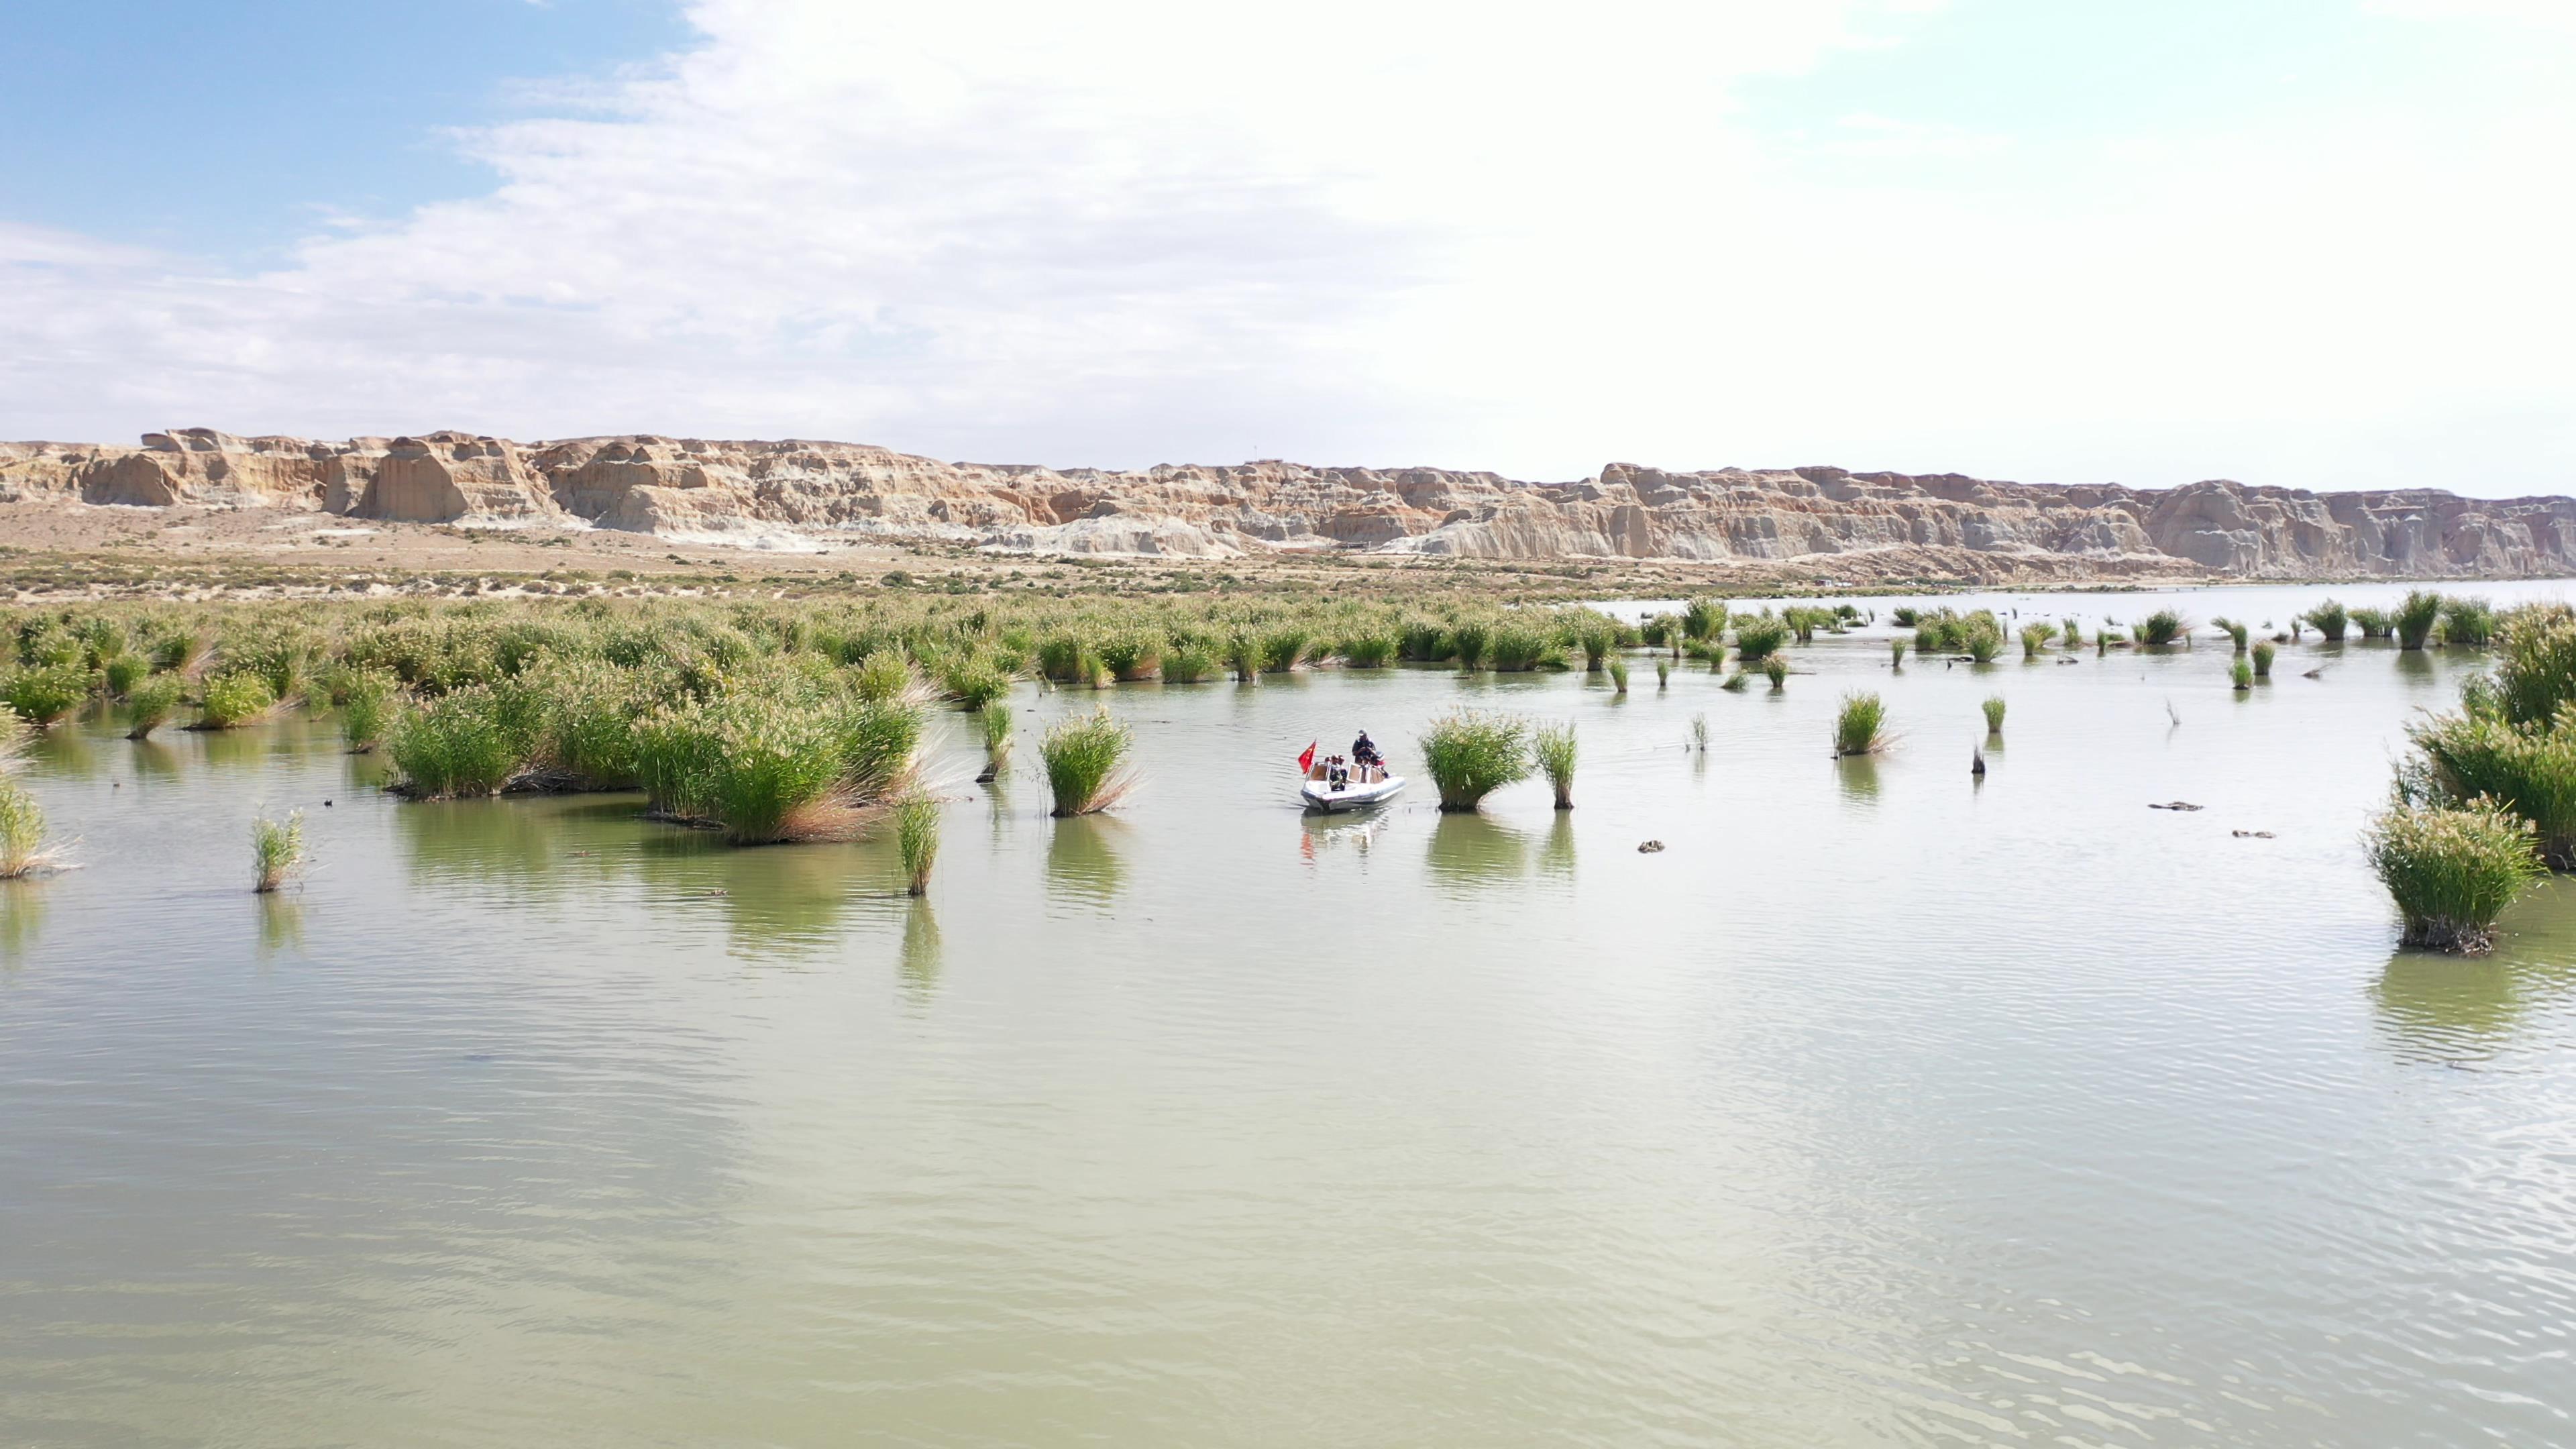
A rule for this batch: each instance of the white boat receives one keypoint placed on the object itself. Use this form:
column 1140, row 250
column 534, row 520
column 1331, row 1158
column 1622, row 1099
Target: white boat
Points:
column 1351, row 791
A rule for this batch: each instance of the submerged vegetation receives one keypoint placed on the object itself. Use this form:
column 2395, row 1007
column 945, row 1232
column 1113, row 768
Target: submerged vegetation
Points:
column 1473, row 753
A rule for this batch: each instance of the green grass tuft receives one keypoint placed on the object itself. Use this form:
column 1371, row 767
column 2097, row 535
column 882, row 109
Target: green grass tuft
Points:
column 1086, row 763
column 1775, row 667
column 2452, row 871
column 236, row 699
column 1471, row 754
column 42, row 694
column 149, row 705
column 2264, row 651
column 1860, row 726
column 22, row 830
column 1994, row 708
column 277, row 850
column 2415, row 618
column 1553, row 747
column 916, row 835
column 2329, row 620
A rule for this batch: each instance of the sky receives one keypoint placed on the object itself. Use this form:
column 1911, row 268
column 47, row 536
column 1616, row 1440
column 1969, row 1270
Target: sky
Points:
column 2313, row 243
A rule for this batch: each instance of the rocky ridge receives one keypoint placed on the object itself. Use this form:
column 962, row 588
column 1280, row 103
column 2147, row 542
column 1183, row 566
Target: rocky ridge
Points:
column 796, row 493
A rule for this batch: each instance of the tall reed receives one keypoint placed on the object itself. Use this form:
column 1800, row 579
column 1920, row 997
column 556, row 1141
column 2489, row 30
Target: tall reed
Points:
column 2374, row 623
column 1775, row 667
column 1663, row 673
column 1896, row 652
column 2415, row 618
column 1994, row 708
column 2452, row 871
column 1619, row 675
column 1472, row 753
column 235, row 699
column 2160, row 628
column 277, row 850
column 1086, row 763
column 1699, row 733
column 995, row 721
column 149, row 705
column 1860, row 726
column 1757, row 637
column 2263, row 654
column 368, row 704
column 2035, row 637
column 44, row 693
column 1553, row 747
column 2468, row 621
column 2330, row 621
column 916, row 833
column 22, row 830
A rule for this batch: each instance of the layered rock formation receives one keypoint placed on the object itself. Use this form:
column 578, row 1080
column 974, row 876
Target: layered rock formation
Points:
column 769, row 492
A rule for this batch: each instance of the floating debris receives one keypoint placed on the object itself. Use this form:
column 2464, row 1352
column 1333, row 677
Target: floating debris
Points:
column 2251, row 834
column 1977, row 761
column 1649, row 847
column 2173, row 805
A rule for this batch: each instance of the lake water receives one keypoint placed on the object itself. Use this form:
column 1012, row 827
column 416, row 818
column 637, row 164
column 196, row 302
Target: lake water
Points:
column 1880, row 1107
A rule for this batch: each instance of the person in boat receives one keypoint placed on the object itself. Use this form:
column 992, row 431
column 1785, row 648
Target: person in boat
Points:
column 1364, row 754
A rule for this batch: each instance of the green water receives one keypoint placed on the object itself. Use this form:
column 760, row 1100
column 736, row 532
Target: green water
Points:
column 1880, row 1107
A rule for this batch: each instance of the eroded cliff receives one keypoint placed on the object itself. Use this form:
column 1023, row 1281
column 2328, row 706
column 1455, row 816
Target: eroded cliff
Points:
column 1883, row 524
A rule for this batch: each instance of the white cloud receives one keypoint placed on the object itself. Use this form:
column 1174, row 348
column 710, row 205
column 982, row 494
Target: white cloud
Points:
column 1374, row 233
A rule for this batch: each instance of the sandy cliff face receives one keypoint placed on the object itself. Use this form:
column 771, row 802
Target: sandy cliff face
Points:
column 1881, row 524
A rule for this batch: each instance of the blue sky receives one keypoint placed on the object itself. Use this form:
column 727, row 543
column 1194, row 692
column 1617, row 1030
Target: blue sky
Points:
column 2306, row 241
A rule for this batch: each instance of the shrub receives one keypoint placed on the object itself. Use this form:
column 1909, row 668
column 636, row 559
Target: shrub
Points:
column 1553, row 747
column 1775, row 667
column 2452, row 872
column 468, row 742
column 2374, row 623
column 1284, row 649
column 2415, row 618
column 149, row 705
column 881, row 676
column 2330, row 621
column 1994, row 708
column 1518, row 648
column 1471, row 754
column 1860, row 726
column 1468, row 641
column 124, row 672
column 2535, row 669
column 1757, row 637
column 44, row 693
column 916, row 834
column 1243, row 655
column 1131, row 653
column 277, row 850
column 2468, row 621
column 2263, row 655
column 1369, row 651
column 1066, row 660
column 236, row 699
column 1086, row 763
column 1424, row 641
column 22, row 830
column 1188, row 664
column 2468, row 757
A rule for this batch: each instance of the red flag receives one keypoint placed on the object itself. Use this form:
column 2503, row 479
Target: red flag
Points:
column 1306, row 761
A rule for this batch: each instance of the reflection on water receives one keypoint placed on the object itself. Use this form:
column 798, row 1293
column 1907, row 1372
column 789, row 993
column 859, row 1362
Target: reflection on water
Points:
column 920, row 962
column 1858, row 776
column 535, row 847
column 776, row 900
column 2449, row 1009
column 22, row 918
column 152, row 759
column 1083, row 865
column 1471, row 850
column 281, row 925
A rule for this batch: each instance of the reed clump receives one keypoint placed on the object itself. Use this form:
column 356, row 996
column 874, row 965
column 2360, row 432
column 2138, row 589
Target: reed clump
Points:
column 1994, row 710
column 232, row 700
column 1775, row 667
column 2035, row 637
column 1703, row 619
column 149, row 705
column 1553, row 747
column 2374, row 623
column 2159, row 629
column 2264, row 652
column 2415, row 618
column 1860, row 726
column 22, row 831
column 916, row 834
column 2471, row 622
column 1699, row 733
column 766, row 768
column 1758, row 637
column 995, row 722
column 43, row 694
column 369, row 699
column 1086, row 763
column 1619, row 675
column 277, row 851
column 2452, row 870
column 2233, row 630
column 2330, row 621
column 1472, row 753
column 1896, row 652
column 2241, row 674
